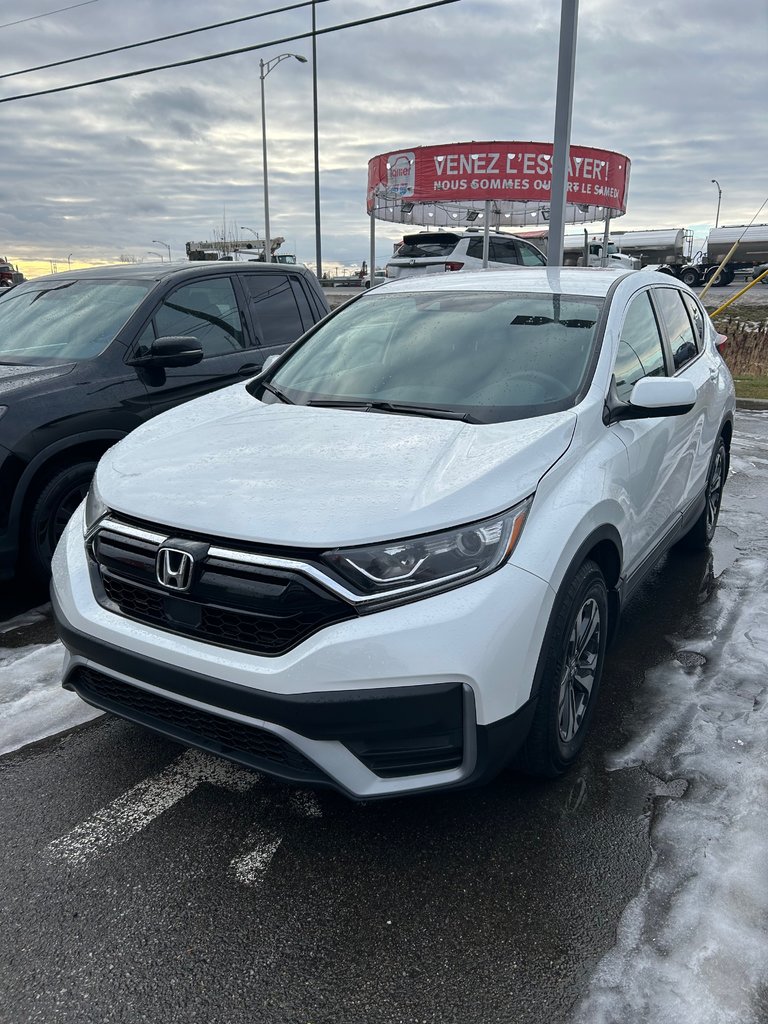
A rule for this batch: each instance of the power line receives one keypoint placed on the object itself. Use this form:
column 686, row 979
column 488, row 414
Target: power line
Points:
column 229, row 53
column 47, row 14
column 159, row 39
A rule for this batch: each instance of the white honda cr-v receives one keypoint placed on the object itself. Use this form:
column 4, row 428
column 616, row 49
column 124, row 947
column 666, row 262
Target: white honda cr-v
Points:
column 392, row 561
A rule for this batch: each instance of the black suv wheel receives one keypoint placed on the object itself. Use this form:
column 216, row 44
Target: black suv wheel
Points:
column 58, row 499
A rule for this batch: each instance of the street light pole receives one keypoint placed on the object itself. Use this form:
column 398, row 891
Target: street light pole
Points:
column 265, row 68
column 719, row 197
column 150, row 252
column 566, row 66
column 158, row 242
column 318, row 247
column 69, row 261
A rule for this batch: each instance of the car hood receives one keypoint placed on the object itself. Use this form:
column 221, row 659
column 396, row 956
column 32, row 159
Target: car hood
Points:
column 15, row 378
column 228, row 465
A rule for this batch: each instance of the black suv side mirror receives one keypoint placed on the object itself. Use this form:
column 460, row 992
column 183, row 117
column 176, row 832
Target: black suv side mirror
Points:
column 172, row 351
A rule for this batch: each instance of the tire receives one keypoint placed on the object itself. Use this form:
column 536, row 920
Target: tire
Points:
column 58, row 499
column 701, row 533
column 691, row 278
column 567, row 697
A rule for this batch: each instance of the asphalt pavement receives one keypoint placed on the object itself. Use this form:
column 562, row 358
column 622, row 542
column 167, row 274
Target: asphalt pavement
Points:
column 146, row 882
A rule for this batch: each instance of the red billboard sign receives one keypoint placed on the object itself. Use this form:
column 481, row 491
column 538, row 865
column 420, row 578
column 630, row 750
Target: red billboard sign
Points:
column 511, row 174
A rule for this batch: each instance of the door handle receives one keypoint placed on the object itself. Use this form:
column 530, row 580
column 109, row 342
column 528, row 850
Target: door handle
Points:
column 249, row 369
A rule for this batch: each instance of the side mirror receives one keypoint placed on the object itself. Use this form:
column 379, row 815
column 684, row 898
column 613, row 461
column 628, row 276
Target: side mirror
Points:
column 171, row 351
column 650, row 397
column 269, row 361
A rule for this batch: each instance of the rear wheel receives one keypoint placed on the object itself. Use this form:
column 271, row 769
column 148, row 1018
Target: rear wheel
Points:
column 55, row 504
column 690, row 277
column 570, row 680
column 703, row 530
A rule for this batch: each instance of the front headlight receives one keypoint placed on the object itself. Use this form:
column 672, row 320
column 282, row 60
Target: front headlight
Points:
column 436, row 561
column 95, row 509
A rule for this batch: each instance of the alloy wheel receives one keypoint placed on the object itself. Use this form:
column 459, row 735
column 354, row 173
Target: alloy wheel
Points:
column 715, row 491
column 579, row 668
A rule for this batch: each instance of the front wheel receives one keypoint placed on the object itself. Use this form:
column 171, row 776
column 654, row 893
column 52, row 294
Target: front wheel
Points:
column 570, row 677
column 55, row 504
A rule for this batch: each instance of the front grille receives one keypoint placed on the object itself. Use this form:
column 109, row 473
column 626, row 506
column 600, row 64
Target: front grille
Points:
column 245, row 743
column 230, row 603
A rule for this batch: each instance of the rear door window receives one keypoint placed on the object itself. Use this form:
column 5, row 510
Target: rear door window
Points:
column 503, row 251
column 274, row 309
column 682, row 338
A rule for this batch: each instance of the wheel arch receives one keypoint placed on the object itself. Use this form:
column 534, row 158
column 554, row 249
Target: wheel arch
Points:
column 83, row 447
column 603, row 546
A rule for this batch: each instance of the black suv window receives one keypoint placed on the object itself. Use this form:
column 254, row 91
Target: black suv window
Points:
column 274, row 308
column 436, row 243
column 206, row 310
column 72, row 318
column 640, row 351
column 679, row 330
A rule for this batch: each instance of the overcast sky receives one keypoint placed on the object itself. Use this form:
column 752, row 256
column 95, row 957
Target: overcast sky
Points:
column 679, row 86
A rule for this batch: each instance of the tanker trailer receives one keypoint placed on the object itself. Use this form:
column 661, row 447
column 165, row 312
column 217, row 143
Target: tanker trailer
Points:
column 751, row 250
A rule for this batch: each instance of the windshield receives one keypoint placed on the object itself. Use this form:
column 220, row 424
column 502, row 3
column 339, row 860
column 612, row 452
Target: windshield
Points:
column 490, row 356
column 56, row 322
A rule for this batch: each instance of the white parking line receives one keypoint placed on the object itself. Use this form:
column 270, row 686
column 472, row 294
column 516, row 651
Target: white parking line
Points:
column 251, row 867
column 132, row 812
column 140, row 806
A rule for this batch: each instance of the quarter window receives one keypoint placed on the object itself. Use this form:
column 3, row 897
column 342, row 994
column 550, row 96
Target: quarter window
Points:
column 697, row 318
column 682, row 340
column 640, row 353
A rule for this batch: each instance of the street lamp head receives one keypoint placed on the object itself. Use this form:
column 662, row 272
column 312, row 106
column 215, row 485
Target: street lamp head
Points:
column 269, row 65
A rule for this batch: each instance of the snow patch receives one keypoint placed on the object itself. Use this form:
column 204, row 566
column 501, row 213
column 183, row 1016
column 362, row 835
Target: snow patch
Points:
column 693, row 945
column 32, row 703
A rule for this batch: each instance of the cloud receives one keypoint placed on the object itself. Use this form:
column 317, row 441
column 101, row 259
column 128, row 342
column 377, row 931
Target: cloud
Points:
column 106, row 169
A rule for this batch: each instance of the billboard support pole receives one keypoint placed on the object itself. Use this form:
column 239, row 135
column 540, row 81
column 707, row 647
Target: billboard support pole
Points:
column 569, row 16
column 486, row 233
column 372, row 263
column 606, row 236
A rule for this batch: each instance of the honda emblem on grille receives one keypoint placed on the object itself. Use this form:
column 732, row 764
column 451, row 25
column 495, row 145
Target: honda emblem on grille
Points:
column 174, row 568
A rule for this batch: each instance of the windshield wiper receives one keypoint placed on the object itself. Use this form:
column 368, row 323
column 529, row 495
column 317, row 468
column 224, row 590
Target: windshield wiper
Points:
column 396, row 407
column 276, row 392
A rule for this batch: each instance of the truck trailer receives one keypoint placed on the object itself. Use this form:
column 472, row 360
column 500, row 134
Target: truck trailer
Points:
column 670, row 250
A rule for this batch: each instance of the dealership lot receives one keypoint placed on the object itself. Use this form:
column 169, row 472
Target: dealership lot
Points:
column 143, row 879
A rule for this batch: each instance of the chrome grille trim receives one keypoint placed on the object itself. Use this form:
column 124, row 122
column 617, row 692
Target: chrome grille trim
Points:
column 274, row 562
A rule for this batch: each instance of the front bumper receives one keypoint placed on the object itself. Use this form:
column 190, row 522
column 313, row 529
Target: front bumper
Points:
column 428, row 695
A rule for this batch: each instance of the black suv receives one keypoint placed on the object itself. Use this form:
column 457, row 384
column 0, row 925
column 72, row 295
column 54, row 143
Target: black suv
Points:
column 87, row 356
